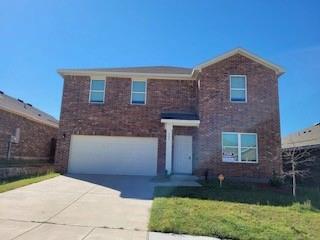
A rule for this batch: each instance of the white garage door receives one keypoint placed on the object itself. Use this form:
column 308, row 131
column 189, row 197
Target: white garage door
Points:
column 113, row 155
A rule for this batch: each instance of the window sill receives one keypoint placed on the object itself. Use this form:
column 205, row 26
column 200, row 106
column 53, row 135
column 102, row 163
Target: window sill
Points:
column 238, row 101
column 96, row 103
column 138, row 104
column 240, row 162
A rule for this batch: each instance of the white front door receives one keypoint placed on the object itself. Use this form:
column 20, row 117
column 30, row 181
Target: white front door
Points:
column 182, row 154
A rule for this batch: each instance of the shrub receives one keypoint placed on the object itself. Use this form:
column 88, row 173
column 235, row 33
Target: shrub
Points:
column 275, row 180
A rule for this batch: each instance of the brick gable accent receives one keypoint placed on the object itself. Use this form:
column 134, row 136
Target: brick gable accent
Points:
column 259, row 115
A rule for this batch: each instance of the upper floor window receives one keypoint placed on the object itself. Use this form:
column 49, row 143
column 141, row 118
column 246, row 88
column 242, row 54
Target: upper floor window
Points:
column 239, row 147
column 97, row 91
column 238, row 88
column 138, row 92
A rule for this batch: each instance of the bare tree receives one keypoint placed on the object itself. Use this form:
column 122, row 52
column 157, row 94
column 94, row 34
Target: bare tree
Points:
column 298, row 160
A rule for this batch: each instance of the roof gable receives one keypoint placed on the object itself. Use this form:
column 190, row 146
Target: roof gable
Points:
column 245, row 53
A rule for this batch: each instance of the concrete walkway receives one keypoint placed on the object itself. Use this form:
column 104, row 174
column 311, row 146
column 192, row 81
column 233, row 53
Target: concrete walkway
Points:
column 91, row 207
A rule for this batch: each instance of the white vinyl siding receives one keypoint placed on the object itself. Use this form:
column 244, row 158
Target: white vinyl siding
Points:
column 139, row 92
column 239, row 147
column 97, row 91
column 238, row 88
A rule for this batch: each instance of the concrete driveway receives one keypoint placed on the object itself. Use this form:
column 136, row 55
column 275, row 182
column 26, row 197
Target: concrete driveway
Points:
column 78, row 207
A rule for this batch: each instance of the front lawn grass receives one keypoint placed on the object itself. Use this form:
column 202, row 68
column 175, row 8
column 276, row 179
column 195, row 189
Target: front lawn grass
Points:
column 16, row 183
column 237, row 211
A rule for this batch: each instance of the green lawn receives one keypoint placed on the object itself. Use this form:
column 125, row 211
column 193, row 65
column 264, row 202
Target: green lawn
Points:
column 237, row 212
column 12, row 184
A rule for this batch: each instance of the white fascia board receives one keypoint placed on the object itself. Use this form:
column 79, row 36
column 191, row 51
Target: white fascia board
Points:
column 180, row 122
column 162, row 76
column 279, row 70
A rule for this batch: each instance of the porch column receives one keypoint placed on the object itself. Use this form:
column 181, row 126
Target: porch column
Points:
column 168, row 128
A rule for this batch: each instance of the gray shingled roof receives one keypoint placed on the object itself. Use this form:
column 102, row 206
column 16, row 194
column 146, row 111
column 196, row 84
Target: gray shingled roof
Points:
column 142, row 69
column 306, row 137
column 21, row 108
column 167, row 70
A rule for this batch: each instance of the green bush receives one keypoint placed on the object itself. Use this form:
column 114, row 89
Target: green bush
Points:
column 276, row 180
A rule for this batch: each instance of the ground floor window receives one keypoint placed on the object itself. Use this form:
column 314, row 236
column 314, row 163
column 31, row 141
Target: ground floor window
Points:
column 239, row 147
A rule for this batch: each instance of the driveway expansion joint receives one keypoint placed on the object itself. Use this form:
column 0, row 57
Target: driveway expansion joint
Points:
column 70, row 204
column 75, row 225
column 29, row 230
column 91, row 230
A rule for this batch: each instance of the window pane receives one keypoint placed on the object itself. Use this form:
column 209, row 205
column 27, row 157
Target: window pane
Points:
column 249, row 154
column 138, row 86
column 230, row 139
column 238, row 95
column 138, row 98
column 238, row 82
column 97, row 85
column 97, row 97
column 248, row 140
column 230, row 154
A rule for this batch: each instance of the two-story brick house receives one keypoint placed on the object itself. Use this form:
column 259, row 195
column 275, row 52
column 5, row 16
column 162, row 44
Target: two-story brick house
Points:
column 222, row 116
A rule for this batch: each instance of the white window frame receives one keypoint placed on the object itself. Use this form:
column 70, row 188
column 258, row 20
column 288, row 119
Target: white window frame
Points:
column 245, row 88
column 104, row 91
column 239, row 147
column 145, row 91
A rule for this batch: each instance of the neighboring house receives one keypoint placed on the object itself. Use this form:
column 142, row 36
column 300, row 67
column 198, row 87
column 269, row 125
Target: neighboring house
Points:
column 306, row 140
column 307, row 137
column 221, row 116
column 25, row 132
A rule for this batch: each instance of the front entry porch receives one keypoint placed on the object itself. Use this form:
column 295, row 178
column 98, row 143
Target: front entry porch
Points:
column 179, row 148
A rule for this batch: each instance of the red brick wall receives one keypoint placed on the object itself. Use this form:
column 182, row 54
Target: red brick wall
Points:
column 259, row 115
column 117, row 117
column 35, row 138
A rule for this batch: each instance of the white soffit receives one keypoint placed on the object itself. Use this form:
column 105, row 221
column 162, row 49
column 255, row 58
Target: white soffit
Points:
column 66, row 72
